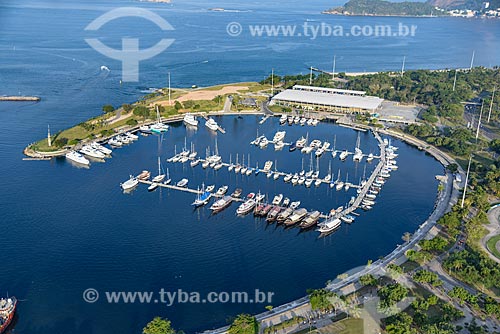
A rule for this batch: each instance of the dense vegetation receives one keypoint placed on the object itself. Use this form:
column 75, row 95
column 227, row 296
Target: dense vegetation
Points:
column 380, row 7
column 244, row 324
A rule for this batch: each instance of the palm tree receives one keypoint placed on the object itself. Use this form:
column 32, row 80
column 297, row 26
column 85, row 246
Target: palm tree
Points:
column 406, row 237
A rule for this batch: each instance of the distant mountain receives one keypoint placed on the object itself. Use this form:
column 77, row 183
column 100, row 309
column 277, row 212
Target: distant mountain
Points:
column 386, row 8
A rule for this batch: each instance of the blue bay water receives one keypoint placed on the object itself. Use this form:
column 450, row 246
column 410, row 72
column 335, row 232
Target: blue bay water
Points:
column 66, row 229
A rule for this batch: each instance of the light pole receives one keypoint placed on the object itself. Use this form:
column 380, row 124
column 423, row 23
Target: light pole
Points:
column 466, row 182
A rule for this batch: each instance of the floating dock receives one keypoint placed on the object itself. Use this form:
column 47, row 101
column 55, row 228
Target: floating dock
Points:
column 20, row 98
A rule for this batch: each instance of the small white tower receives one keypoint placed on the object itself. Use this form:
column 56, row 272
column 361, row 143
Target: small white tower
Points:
column 49, row 140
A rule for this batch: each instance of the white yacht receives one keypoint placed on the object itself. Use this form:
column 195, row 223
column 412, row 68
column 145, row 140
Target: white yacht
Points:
column 329, row 225
column 99, row 147
column 263, row 142
column 370, row 157
column 267, row 166
column 77, row 157
column 88, row 150
column 190, row 120
column 132, row 136
column 343, row 155
column 130, row 183
column 115, row 142
column 277, row 199
column 279, row 136
column 212, row 124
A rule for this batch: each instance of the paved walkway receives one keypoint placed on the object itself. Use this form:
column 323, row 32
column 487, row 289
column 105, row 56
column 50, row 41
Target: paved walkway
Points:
column 494, row 229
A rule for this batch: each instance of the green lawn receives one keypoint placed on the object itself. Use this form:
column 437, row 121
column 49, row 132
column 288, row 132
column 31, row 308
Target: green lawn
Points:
column 491, row 244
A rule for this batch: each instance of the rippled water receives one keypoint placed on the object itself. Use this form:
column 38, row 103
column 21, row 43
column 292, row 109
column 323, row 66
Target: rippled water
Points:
column 66, row 229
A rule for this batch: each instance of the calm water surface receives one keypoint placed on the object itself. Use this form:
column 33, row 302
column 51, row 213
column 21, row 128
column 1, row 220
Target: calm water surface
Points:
column 66, row 229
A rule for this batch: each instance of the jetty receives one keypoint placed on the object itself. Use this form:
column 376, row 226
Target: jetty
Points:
column 20, row 98
column 186, row 189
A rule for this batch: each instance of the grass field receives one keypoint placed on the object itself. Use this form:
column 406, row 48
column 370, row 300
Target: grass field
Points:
column 491, row 244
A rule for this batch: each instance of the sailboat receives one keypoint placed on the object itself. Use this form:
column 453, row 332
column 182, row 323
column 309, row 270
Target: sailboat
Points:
column 160, row 177
column 202, row 197
column 339, row 183
column 158, row 127
column 276, row 174
column 231, row 166
column 347, row 184
column 168, row 180
column 334, row 152
column 244, row 168
column 249, row 169
column 328, row 177
column 358, row 154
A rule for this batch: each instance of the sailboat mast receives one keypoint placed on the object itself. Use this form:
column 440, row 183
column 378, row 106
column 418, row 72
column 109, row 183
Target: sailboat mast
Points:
column 334, row 64
column 169, row 91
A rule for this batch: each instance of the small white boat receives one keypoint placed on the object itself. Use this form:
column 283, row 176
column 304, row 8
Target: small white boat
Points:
column 370, row 157
column 263, row 142
column 100, row 148
column 153, row 186
column 267, row 166
column 279, row 136
column 89, row 151
column 212, row 124
column 205, row 164
column 221, row 191
column 318, row 182
column 308, row 182
column 131, row 136
column 190, row 120
column 343, row 155
column 210, row 188
column 77, row 157
column 115, row 142
column 182, row 183
column 288, row 177
column 195, row 163
column 279, row 146
column 130, row 183
column 277, row 199
column 160, row 177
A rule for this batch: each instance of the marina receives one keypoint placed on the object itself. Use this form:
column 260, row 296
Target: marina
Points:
column 271, row 208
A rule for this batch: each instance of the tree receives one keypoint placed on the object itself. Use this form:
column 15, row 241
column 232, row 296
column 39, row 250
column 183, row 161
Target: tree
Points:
column 141, row 111
column 158, row 326
column 108, row 108
column 391, row 294
column 368, row 280
column 127, row 107
column 177, row 105
column 425, row 276
column 320, row 299
column 406, row 237
column 244, row 324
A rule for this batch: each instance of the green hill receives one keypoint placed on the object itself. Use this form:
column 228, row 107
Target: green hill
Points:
column 386, row 8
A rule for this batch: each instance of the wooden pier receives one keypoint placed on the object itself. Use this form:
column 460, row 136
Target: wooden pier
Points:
column 186, row 189
column 369, row 182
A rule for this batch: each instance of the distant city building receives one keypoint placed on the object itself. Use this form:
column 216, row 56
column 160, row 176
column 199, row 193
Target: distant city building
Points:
column 327, row 99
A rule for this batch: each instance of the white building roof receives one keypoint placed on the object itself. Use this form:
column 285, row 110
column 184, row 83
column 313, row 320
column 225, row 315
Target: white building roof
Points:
column 329, row 99
column 329, row 90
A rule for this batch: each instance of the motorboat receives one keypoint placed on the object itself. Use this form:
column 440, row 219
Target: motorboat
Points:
column 370, row 157
column 283, row 119
column 212, row 124
column 115, row 142
column 277, row 199
column 246, row 206
column 316, row 143
column 343, row 155
column 286, row 201
column 292, row 147
column 279, row 136
column 330, row 225
column 263, row 142
column 100, row 148
column 190, row 120
column 221, row 204
column 294, row 205
column 303, row 121
column 130, row 183
column 93, row 153
column 296, row 217
column 132, row 136
column 210, row 188
column 221, row 191
column 144, row 175
column 267, row 166
column 278, row 146
column 284, row 215
column 77, row 157
column 310, row 220
column 182, row 183
column 145, row 129
column 273, row 214
column 301, row 142
column 237, row 193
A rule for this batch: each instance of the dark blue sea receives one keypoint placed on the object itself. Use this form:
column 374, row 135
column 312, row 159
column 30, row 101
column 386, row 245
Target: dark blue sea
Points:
column 65, row 229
